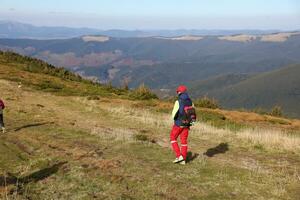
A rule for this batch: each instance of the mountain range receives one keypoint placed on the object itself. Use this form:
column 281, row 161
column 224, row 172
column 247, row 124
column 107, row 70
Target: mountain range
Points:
column 240, row 71
column 13, row 29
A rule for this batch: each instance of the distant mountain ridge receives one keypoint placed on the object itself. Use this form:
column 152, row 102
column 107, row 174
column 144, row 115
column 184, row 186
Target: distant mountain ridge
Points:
column 11, row 29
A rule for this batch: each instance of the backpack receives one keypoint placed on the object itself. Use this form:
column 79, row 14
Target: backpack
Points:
column 189, row 116
column 186, row 114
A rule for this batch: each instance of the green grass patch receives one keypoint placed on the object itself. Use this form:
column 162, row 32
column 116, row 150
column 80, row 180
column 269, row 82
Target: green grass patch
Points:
column 218, row 120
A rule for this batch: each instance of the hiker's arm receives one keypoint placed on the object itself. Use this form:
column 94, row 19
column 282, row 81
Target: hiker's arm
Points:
column 175, row 109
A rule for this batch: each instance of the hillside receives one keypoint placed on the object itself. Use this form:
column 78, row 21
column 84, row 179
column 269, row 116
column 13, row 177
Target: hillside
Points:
column 175, row 59
column 45, row 77
column 65, row 145
column 215, row 84
column 280, row 87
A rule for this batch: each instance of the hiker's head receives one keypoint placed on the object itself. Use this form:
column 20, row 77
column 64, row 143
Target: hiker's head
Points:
column 181, row 89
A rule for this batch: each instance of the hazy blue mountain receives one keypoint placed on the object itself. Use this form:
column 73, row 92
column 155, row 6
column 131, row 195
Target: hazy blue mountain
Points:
column 11, row 29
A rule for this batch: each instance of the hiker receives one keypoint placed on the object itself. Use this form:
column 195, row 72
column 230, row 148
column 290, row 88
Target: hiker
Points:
column 2, row 106
column 184, row 115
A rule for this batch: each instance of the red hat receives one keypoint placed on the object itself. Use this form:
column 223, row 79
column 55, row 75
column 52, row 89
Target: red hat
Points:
column 181, row 89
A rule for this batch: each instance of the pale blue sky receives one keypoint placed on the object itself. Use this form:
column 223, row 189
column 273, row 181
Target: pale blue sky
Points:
column 156, row 14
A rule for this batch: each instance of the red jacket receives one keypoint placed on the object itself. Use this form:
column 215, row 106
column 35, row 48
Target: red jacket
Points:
column 2, row 106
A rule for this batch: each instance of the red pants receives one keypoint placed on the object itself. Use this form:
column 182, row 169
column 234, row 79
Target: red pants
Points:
column 184, row 133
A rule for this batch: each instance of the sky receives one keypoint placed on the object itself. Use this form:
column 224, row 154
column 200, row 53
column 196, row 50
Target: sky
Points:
column 155, row 14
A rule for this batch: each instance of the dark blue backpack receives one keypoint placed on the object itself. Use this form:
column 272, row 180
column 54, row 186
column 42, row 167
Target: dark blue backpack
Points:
column 187, row 113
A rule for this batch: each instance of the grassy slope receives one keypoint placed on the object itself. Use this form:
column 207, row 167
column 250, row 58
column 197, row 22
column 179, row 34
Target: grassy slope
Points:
column 215, row 84
column 20, row 69
column 68, row 147
column 280, row 87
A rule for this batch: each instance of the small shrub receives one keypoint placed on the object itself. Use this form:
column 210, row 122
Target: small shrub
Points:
column 258, row 146
column 260, row 111
column 142, row 93
column 48, row 85
column 141, row 137
column 172, row 99
column 276, row 111
column 109, row 85
column 279, row 121
column 125, row 84
column 206, row 102
column 94, row 97
column 144, row 138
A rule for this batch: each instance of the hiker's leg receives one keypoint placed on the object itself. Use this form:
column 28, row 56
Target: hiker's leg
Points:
column 1, row 121
column 173, row 138
column 183, row 139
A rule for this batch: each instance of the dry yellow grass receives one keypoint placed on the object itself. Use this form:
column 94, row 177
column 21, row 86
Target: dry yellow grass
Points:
column 95, row 38
column 268, row 137
column 271, row 138
column 143, row 116
column 278, row 37
column 118, row 134
column 238, row 38
column 258, row 119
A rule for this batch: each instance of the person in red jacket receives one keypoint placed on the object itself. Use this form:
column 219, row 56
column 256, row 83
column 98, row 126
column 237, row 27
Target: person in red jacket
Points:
column 2, row 106
column 180, row 128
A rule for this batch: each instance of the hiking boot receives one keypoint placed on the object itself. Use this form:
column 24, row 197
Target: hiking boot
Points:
column 182, row 162
column 179, row 159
